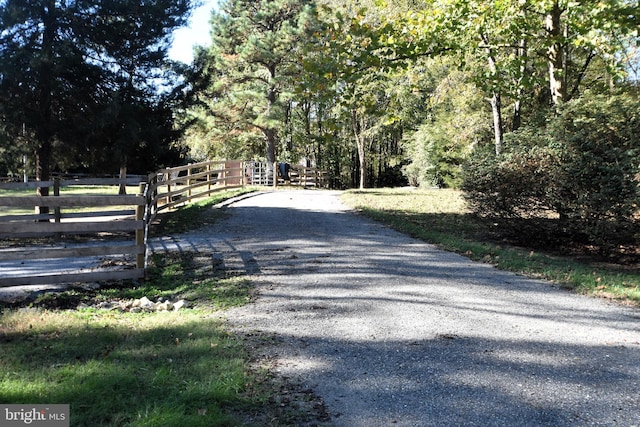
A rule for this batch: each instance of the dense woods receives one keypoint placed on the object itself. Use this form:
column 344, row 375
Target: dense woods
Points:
column 85, row 85
column 384, row 94
column 529, row 106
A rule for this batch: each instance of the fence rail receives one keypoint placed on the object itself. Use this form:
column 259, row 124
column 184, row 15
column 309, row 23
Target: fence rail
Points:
column 53, row 267
column 106, row 216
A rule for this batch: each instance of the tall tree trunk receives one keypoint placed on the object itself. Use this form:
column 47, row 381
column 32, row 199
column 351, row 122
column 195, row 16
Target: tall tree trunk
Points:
column 309, row 148
column 517, row 105
column 44, row 129
column 271, row 137
column 555, row 55
column 496, row 101
column 496, row 108
column 320, row 161
column 360, row 145
column 271, row 134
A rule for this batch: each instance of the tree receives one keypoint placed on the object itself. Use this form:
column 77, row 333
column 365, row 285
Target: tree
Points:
column 65, row 63
column 576, row 33
column 359, row 57
column 246, row 77
column 453, row 120
column 515, row 40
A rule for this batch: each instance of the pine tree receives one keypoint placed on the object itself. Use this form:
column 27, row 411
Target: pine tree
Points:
column 249, row 70
column 64, row 63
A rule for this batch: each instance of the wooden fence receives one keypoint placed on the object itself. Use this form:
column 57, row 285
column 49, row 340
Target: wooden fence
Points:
column 260, row 173
column 99, row 216
column 109, row 219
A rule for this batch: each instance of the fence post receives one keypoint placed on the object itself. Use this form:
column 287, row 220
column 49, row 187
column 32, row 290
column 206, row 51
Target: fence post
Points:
column 122, row 189
column 56, row 192
column 167, row 177
column 152, row 180
column 57, row 213
column 140, row 258
column 275, row 174
column 189, row 183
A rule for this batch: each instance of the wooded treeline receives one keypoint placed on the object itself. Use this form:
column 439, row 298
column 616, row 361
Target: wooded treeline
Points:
column 530, row 106
column 85, row 86
column 382, row 93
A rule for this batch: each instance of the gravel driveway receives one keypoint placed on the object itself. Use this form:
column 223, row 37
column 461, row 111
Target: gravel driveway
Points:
column 391, row 331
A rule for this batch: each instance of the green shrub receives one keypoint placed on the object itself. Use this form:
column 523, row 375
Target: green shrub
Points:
column 582, row 171
column 601, row 141
column 515, row 184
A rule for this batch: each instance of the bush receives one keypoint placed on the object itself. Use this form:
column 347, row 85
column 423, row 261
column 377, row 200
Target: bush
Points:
column 601, row 140
column 515, row 184
column 582, row 170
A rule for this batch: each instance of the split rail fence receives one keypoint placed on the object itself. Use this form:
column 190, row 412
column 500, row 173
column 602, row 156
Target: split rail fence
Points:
column 39, row 241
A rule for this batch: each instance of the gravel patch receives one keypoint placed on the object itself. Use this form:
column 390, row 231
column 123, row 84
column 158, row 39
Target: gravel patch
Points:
column 389, row 330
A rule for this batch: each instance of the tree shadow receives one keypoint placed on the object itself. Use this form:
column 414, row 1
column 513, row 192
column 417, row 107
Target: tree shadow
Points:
column 459, row 380
column 466, row 345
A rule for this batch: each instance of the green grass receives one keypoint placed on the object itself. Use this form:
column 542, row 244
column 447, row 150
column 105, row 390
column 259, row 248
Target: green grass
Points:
column 156, row 369
column 145, row 369
column 122, row 369
column 441, row 217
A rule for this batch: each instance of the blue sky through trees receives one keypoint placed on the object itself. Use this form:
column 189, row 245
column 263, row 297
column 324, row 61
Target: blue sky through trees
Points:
column 197, row 33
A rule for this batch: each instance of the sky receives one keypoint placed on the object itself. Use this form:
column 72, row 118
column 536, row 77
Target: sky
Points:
column 197, row 33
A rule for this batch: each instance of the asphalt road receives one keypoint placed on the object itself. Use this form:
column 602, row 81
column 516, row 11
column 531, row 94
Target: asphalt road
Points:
column 391, row 331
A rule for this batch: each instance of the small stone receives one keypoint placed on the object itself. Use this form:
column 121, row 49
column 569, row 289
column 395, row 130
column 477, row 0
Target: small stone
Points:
column 146, row 304
column 178, row 305
column 108, row 305
column 162, row 306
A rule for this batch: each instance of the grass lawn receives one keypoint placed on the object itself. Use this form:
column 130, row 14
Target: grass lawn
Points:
column 163, row 369
column 441, row 217
column 145, row 369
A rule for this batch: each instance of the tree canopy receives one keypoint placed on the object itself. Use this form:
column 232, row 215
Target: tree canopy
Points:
column 248, row 74
column 433, row 93
column 85, row 83
column 448, row 93
column 339, row 96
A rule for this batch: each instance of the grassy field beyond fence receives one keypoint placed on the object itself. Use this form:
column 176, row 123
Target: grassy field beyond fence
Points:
column 441, row 217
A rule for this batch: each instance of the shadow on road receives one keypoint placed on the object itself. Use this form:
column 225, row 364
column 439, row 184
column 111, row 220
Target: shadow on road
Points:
column 392, row 331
